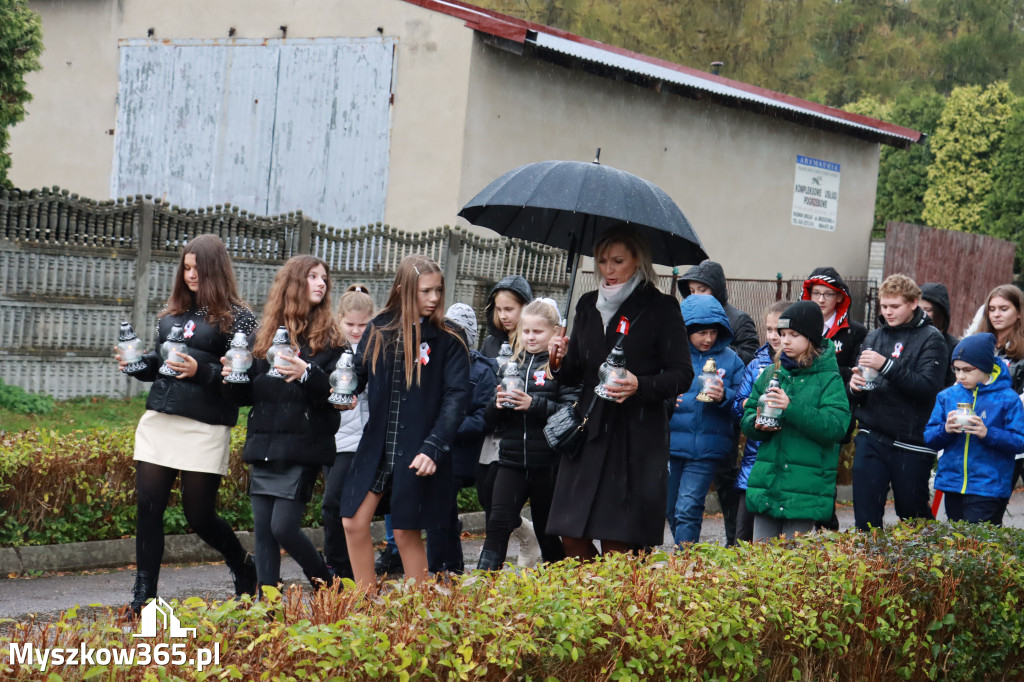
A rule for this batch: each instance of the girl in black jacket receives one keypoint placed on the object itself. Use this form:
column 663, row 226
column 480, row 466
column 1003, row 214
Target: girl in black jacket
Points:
column 187, row 424
column 415, row 370
column 291, row 425
column 527, row 466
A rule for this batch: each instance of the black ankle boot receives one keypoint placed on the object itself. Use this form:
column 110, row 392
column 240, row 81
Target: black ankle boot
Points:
column 489, row 561
column 244, row 576
column 143, row 591
column 320, row 576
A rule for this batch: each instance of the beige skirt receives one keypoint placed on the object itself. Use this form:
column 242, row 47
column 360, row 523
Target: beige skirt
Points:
column 182, row 443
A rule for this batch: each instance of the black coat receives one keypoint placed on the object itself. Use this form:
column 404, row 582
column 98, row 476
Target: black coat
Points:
column 198, row 397
column 290, row 421
column 616, row 488
column 913, row 374
column 522, row 432
column 429, row 417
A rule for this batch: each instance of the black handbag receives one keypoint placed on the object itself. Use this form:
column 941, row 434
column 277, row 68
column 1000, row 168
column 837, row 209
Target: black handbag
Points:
column 566, row 429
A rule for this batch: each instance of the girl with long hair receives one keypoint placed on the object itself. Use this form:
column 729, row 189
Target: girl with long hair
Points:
column 291, row 427
column 415, row 370
column 1004, row 318
column 186, row 428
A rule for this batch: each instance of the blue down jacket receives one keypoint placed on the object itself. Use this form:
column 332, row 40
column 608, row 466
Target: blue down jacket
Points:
column 762, row 358
column 979, row 466
column 707, row 430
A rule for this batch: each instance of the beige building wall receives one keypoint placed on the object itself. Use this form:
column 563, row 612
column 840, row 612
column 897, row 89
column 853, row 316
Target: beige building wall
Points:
column 730, row 171
column 67, row 137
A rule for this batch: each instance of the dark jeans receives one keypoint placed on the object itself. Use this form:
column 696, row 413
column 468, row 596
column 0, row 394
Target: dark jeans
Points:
column 744, row 519
column 444, row 545
column 335, row 547
column 728, row 495
column 876, row 466
column 689, row 481
column 512, row 487
column 198, row 500
column 277, row 523
column 975, row 508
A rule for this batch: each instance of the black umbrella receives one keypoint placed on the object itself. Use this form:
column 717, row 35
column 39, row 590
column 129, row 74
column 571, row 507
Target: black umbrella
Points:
column 568, row 204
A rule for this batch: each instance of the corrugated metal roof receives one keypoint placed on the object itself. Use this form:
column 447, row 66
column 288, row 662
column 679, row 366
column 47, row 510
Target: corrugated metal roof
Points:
column 637, row 66
column 619, row 59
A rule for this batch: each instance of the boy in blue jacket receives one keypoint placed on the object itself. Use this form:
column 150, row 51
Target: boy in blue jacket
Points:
column 976, row 469
column 702, row 433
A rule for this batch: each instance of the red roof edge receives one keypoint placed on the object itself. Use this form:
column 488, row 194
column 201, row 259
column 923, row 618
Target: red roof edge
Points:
column 512, row 28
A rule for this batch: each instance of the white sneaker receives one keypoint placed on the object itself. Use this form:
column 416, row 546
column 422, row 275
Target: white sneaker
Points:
column 529, row 548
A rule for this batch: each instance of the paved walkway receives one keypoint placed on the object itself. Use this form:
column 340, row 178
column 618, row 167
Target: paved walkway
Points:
column 47, row 596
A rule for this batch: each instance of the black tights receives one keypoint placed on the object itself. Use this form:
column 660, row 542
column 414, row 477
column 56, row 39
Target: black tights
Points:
column 511, row 489
column 198, row 499
column 277, row 523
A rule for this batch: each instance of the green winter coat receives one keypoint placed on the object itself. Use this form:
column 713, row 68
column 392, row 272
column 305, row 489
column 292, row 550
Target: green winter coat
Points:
column 794, row 476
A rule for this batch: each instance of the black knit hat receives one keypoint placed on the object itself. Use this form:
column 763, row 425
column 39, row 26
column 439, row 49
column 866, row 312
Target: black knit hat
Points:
column 804, row 317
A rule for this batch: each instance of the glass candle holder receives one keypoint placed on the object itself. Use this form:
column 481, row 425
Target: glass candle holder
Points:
column 614, row 367
column 279, row 352
column 769, row 417
column 131, row 349
column 344, row 380
column 240, row 358
column 708, row 378
column 511, row 381
column 173, row 349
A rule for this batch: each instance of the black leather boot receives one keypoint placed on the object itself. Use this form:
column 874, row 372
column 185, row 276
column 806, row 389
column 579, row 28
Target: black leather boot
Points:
column 244, row 576
column 489, row 561
column 320, row 576
column 143, row 591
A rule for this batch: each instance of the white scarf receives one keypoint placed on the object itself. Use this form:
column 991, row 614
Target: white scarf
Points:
column 610, row 298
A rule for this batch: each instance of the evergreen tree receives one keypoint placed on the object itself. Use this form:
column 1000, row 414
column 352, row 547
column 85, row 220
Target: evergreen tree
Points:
column 967, row 140
column 21, row 43
column 1004, row 211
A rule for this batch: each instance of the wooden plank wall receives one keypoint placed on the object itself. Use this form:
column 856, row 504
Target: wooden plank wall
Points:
column 970, row 265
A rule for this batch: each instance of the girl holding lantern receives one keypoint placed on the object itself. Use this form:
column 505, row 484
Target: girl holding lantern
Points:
column 291, row 425
column 187, row 424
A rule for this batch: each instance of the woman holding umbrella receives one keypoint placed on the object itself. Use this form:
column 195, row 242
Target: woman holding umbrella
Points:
column 615, row 490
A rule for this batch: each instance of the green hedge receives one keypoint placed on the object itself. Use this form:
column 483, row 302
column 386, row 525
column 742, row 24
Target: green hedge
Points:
column 57, row 488
column 932, row 602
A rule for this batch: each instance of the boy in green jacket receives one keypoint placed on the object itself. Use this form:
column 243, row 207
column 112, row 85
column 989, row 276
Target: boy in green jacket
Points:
column 793, row 481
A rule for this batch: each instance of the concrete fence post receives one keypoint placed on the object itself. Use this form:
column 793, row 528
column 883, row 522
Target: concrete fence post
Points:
column 305, row 244
column 451, row 265
column 143, row 238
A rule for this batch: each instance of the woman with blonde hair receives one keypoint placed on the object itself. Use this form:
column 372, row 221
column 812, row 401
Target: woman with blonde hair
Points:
column 616, row 490
column 415, row 370
column 291, row 426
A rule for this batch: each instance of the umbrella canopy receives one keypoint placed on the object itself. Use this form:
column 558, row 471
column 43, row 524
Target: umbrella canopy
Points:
column 568, row 204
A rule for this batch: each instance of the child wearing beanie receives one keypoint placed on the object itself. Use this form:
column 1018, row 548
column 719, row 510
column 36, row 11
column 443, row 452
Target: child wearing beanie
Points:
column 975, row 471
column 792, row 483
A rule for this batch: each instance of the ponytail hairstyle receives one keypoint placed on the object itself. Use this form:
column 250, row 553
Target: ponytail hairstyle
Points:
column 404, row 326
column 288, row 306
column 544, row 308
column 218, row 290
column 1013, row 346
column 356, row 299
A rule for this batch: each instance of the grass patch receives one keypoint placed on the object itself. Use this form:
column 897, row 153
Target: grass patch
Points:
column 85, row 414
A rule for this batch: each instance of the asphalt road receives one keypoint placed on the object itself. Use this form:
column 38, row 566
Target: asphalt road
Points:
column 47, row 596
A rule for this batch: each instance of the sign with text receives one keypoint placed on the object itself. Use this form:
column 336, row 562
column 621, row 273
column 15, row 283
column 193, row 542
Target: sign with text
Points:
column 816, row 194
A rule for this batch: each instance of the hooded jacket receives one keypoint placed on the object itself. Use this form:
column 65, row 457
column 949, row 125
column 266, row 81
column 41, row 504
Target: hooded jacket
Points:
column 496, row 336
column 938, row 296
column 901, row 403
column 744, row 332
column 979, row 466
column 523, row 444
column 762, row 358
column 702, row 430
column 847, row 335
column 794, row 476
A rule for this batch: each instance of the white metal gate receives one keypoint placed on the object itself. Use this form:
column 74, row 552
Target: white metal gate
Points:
column 270, row 126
